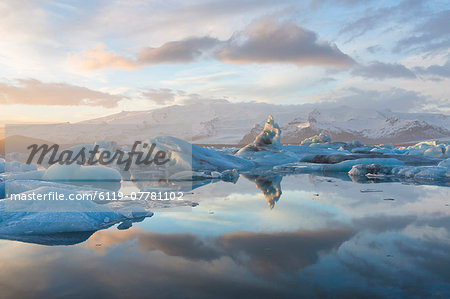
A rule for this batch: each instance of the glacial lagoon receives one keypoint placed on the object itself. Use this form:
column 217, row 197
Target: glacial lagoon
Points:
column 267, row 235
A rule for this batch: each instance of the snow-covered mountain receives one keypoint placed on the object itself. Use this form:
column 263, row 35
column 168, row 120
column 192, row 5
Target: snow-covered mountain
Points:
column 344, row 123
column 223, row 122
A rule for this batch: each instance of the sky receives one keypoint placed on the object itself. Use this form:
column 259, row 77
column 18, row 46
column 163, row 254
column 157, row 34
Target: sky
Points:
column 76, row 60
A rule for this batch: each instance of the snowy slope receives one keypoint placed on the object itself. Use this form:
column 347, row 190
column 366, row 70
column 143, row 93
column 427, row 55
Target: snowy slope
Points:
column 222, row 122
column 371, row 127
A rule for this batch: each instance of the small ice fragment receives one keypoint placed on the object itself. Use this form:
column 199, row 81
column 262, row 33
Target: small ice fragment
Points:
column 370, row 190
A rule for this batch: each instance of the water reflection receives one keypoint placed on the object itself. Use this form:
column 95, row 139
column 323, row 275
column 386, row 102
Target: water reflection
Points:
column 269, row 185
column 342, row 243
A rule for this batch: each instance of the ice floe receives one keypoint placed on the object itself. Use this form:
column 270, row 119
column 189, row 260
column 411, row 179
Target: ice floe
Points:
column 75, row 172
column 186, row 156
column 407, row 172
column 188, row 162
column 321, row 138
column 266, row 150
column 55, row 227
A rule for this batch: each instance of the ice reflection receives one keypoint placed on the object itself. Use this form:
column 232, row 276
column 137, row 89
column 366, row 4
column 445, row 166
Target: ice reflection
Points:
column 269, row 185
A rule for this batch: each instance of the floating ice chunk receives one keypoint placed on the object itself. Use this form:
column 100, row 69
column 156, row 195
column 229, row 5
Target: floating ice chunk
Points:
column 268, row 159
column 425, row 144
column 266, row 150
column 321, row 138
column 2, row 165
column 382, row 150
column 422, row 172
column 270, row 135
column 16, row 166
column 68, row 216
column 373, row 169
column 409, row 172
column 430, row 149
column 431, row 173
column 194, row 175
column 347, row 165
column 361, row 149
column 355, row 143
column 299, row 167
column 267, row 140
column 28, row 175
column 369, row 190
column 184, row 156
column 445, row 163
column 435, row 151
column 230, row 176
column 75, row 172
column 344, row 166
column 227, row 175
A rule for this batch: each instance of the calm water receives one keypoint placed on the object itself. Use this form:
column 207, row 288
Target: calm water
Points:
column 272, row 236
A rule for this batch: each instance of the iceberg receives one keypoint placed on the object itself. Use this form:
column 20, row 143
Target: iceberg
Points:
column 445, row 163
column 406, row 172
column 266, row 150
column 185, row 156
column 16, row 166
column 428, row 148
column 227, row 175
column 75, row 172
column 269, row 138
column 29, row 175
column 321, row 138
column 344, row 166
column 53, row 227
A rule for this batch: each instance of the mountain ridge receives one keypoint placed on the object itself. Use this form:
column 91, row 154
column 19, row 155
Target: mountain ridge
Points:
column 223, row 122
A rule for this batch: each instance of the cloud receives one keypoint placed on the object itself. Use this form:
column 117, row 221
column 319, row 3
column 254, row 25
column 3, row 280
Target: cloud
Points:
column 34, row 92
column 326, row 3
column 372, row 18
column 99, row 58
column 395, row 99
column 431, row 35
column 267, row 41
column 183, row 51
column 380, row 70
column 263, row 41
column 374, row 49
column 435, row 70
column 160, row 96
column 164, row 96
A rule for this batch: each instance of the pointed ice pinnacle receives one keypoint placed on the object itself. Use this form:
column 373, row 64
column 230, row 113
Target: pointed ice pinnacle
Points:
column 270, row 135
column 267, row 140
